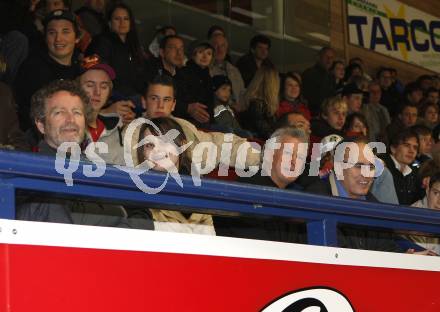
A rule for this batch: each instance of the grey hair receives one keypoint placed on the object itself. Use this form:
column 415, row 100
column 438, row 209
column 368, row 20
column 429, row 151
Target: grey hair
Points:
column 39, row 99
column 298, row 133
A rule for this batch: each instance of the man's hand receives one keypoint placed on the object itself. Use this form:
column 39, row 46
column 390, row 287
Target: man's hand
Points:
column 123, row 109
column 426, row 252
column 199, row 112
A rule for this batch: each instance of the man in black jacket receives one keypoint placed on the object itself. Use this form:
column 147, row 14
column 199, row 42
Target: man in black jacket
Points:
column 60, row 111
column 404, row 149
column 56, row 62
column 249, row 63
column 286, row 143
column 92, row 16
column 171, row 58
column 318, row 83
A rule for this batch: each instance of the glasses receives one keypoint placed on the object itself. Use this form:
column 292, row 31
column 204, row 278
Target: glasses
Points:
column 359, row 166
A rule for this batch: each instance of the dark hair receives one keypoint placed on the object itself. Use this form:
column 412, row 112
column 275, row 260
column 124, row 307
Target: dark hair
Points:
column 382, row 70
column 163, row 43
column 412, row 87
column 336, row 63
column 163, row 29
column 213, row 29
column 350, row 120
column 324, row 49
column 259, row 39
column 163, row 80
column 292, row 76
column 350, row 69
column 421, row 130
column 355, row 60
column 431, row 90
column 405, row 105
column 39, row 99
column 424, row 77
column 132, row 36
column 425, row 107
column 283, row 121
column 403, row 136
column 66, row 15
column 434, row 178
column 428, row 168
column 164, row 124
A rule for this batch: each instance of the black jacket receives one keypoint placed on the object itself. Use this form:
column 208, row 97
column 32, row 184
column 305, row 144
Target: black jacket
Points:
column 36, row 72
column 262, row 228
column 392, row 100
column 318, row 84
column 258, row 120
column 320, row 129
column 194, row 84
column 358, row 237
column 130, row 76
column 248, row 67
column 94, row 22
column 74, row 211
column 407, row 187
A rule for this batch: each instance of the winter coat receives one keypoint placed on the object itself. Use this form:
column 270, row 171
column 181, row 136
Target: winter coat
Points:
column 407, row 187
column 10, row 133
column 194, row 85
column 258, row 119
column 318, row 84
column 130, row 76
column 113, row 137
column 36, row 72
column 74, row 211
column 93, row 22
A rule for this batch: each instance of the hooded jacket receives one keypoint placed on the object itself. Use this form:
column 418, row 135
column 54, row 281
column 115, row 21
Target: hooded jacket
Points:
column 113, row 137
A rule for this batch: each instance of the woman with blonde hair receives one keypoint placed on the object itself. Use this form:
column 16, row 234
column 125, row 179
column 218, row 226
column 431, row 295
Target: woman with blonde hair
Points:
column 262, row 100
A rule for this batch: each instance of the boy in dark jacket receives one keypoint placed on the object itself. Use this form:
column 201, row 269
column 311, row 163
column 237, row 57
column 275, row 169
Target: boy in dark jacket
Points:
column 223, row 114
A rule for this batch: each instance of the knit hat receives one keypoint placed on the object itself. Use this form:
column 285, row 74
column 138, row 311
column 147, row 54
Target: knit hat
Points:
column 220, row 80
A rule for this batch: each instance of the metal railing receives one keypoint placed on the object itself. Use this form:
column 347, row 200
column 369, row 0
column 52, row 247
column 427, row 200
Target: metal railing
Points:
column 33, row 172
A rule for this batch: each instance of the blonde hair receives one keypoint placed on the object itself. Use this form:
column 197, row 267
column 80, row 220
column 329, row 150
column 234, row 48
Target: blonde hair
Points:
column 335, row 102
column 265, row 86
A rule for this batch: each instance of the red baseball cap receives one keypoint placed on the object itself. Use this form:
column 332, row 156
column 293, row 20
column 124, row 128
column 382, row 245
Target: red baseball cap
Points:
column 94, row 62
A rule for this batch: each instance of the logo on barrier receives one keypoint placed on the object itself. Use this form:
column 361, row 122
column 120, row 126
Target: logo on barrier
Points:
column 311, row 300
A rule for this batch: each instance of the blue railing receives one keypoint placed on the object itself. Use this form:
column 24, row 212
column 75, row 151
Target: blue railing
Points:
column 32, row 172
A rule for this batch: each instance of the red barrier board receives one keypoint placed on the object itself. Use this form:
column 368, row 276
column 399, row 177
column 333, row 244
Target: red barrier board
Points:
column 54, row 267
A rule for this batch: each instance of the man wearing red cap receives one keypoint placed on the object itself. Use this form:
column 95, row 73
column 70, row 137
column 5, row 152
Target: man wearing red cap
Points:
column 96, row 81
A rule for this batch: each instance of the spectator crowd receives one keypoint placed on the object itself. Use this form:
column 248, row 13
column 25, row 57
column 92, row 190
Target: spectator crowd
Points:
column 84, row 77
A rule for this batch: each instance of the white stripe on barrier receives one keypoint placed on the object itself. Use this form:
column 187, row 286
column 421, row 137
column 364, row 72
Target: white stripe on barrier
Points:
column 79, row 236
